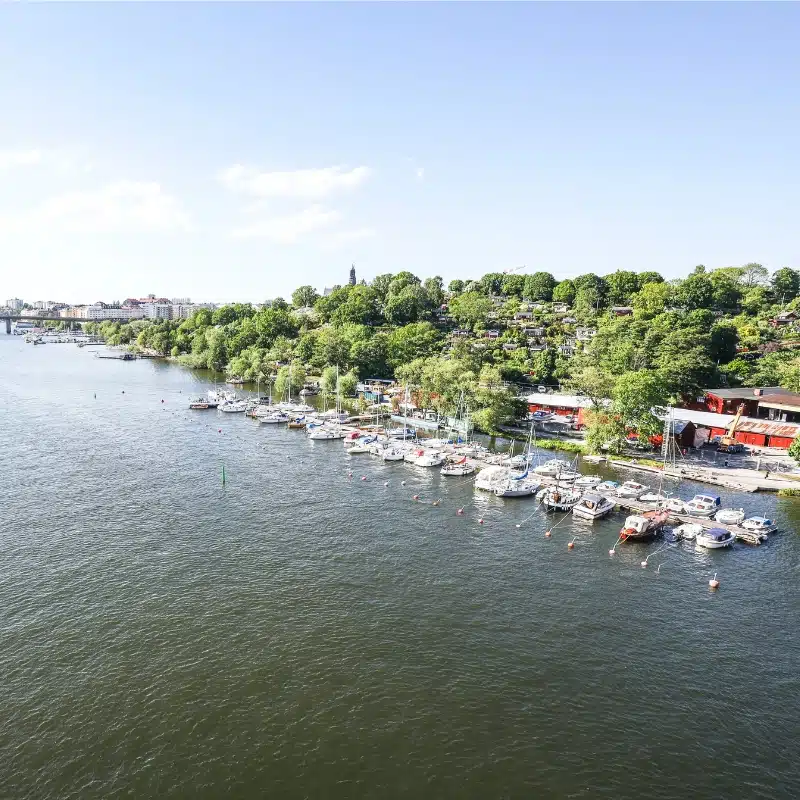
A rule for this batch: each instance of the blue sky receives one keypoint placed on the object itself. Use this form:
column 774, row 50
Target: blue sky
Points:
column 237, row 151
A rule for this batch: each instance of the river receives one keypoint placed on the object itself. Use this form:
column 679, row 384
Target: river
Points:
column 300, row 634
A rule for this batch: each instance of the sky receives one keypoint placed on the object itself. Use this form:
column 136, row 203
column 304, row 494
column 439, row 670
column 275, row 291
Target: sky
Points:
column 236, row 151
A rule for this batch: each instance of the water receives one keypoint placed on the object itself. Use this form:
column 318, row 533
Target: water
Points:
column 298, row 634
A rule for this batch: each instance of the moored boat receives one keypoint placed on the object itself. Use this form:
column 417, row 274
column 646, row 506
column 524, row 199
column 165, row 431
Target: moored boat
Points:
column 592, row 506
column 643, row 527
column 607, row 487
column 714, row 538
column 688, row 531
column 702, row 505
column 458, row 468
column 730, row 516
column 631, row 489
column 759, row 525
column 587, row 481
column 554, row 498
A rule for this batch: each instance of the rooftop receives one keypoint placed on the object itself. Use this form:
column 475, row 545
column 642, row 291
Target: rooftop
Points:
column 744, row 392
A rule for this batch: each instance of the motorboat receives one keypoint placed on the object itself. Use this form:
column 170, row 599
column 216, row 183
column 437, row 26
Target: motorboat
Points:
column 392, row 454
column 631, row 489
column 361, row 445
column 607, row 487
column 425, row 458
column 702, row 505
column 687, row 531
column 567, row 476
column 458, row 468
column 675, row 505
column 642, row 527
column 402, row 433
column 587, row 481
column 714, row 538
column 302, row 408
column 759, row 525
column 233, row 406
column 592, row 506
column 297, row 423
column 551, row 467
column 325, row 432
column 200, row 405
column 334, row 416
column 518, row 461
column 490, row 478
column 730, row 516
column 273, row 418
column 653, row 497
column 556, row 499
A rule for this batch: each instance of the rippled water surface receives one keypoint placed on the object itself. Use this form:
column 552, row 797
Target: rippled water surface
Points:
column 300, row 634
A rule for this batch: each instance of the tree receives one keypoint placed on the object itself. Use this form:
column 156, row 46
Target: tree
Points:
column 724, row 340
column 540, row 286
column 455, row 286
column 296, row 377
column 605, row 430
column 785, row 284
column 564, row 292
column 434, row 288
column 695, row 292
column 491, row 283
column 790, row 375
column 330, row 376
column 591, row 382
column 348, row 383
column 400, row 281
column 513, row 285
column 417, row 340
column 652, row 298
column 304, row 296
column 649, row 277
column 408, row 305
column 622, row 285
column 726, row 289
column 637, row 398
column 470, row 308
column 754, row 275
column 217, row 351
column 381, row 283
column 545, row 366
column 360, row 307
column 369, row 356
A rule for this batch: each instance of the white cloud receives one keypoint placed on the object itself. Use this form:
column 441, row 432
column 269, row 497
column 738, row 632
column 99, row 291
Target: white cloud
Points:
column 420, row 173
column 122, row 207
column 19, row 158
column 302, row 183
column 289, row 228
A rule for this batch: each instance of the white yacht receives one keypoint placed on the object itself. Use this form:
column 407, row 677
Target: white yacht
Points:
column 490, row 478
column 587, row 481
column 361, row 445
column 325, row 432
column 688, row 531
column 759, row 525
column 702, row 505
column 607, row 487
column 273, row 418
column 631, row 489
column 730, row 516
column 653, row 497
column 556, row 499
column 233, row 406
column 551, row 467
column 714, row 538
column 458, row 468
column 674, row 504
column 517, row 486
column 592, row 506
column 425, row 458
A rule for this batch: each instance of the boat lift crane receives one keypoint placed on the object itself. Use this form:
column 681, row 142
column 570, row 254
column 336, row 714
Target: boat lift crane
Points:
column 728, row 443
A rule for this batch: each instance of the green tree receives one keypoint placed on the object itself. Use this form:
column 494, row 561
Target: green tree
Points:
column 370, row 356
column 637, row 398
column 653, row 297
column 401, row 281
column 649, row 277
column 304, row 296
column 455, row 286
column 348, row 383
column 380, row 284
column 564, row 292
column 724, row 341
column 434, row 288
column 410, row 304
column 794, row 449
column 491, row 283
column 605, row 430
column 513, row 285
column 754, row 275
column 470, row 308
column 622, row 285
column 416, row 340
column 540, row 286
column 785, row 284
column 695, row 292
column 330, row 376
column 217, row 350
column 591, row 382
column 360, row 308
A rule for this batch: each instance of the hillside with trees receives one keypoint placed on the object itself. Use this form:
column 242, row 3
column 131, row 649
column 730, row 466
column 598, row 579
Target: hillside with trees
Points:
column 635, row 339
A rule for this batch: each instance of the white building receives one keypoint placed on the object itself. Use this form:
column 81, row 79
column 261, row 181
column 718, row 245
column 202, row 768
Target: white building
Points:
column 156, row 310
column 15, row 304
column 181, row 301
column 96, row 312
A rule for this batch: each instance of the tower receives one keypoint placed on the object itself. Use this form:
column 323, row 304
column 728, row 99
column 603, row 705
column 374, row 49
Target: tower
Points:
column 352, row 274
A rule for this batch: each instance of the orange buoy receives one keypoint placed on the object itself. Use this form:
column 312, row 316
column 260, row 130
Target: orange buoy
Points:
column 714, row 583
column 547, row 534
column 571, row 546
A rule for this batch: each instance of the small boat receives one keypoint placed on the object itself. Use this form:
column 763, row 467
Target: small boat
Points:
column 360, row 445
column 234, row 406
column 760, row 525
column 490, row 478
column 425, row 458
column 607, row 487
column 567, row 476
column 325, row 432
column 730, row 516
column 594, row 459
column 200, row 405
column 631, row 489
column 392, row 454
column 688, row 531
column 402, row 433
column 302, row 408
column 592, row 506
column 714, row 538
column 551, row 467
column 587, row 481
column 517, row 486
column 703, row 505
column 296, row 424
column 555, row 499
column 458, row 468
column 653, row 497
column 235, row 380
column 642, row 527
column 273, row 418
column 519, row 461
column 675, row 505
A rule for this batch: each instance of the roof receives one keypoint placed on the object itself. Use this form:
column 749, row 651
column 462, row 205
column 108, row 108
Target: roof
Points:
column 559, row 400
column 743, row 392
column 746, row 424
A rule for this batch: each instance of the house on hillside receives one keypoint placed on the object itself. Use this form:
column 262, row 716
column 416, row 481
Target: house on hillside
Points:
column 536, row 330
column 784, row 318
column 509, row 346
column 493, row 333
column 621, row 311
column 523, row 315
column 560, row 308
column 585, row 334
column 569, row 320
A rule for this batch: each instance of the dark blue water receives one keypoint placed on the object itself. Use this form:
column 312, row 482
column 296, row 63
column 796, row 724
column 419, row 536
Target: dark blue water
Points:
column 301, row 634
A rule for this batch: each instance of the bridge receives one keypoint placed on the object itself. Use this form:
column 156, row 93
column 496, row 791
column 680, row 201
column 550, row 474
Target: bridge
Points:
column 9, row 318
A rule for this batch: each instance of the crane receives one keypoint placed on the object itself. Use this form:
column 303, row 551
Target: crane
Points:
column 513, row 270
column 728, row 443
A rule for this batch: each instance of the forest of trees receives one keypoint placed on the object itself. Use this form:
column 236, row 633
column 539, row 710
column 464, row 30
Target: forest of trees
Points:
column 711, row 328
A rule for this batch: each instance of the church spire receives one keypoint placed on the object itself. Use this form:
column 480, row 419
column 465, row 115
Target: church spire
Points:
column 352, row 274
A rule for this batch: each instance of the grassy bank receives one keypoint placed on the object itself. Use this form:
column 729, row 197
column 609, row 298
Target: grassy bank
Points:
column 789, row 493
